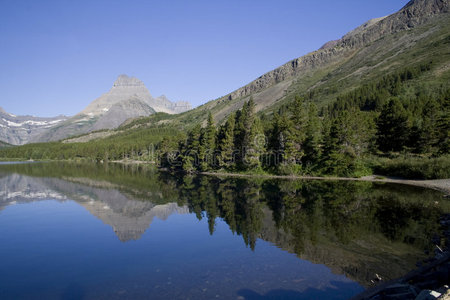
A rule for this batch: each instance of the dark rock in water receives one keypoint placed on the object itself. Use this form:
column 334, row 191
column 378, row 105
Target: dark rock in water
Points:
column 428, row 295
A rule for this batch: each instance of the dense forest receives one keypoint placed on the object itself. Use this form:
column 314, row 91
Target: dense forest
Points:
column 391, row 126
column 357, row 134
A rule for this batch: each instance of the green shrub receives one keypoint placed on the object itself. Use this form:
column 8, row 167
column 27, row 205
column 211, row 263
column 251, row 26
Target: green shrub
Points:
column 413, row 167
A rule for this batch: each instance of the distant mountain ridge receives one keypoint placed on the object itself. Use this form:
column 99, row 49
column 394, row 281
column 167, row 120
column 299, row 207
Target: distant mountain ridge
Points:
column 18, row 130
column 128, row 98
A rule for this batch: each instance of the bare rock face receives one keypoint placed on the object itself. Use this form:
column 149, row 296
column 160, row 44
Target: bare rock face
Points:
column 166, row 105
column 413, row 14
column 122, row 90
column 122, row 111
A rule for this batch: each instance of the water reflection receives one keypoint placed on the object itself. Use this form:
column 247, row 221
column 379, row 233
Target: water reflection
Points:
column 354, row 228
column 128, row 217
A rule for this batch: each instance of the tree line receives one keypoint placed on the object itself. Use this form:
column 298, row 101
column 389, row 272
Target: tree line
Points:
column 300, row 140
column 392, row 117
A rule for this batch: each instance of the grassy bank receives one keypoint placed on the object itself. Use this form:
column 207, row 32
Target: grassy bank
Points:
column 412, row 167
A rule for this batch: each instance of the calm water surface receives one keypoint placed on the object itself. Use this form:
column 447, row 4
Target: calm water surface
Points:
column 112, row 232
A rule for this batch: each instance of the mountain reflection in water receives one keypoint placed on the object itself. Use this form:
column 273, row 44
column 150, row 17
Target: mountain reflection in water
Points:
column 357, row 229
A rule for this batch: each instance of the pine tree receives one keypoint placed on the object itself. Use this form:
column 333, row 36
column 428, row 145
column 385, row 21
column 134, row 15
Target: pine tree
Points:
column 334, row 159
column 226, row 143
column 346, row 141
column 312, row 139
column 190, row 159
column 209, row 145
column 203, row 151
column 255, row 146
column 299, row 119
column 429, row 133
column 282, row 143
column 248, row 118
column 444, row 123
column 239, row 133
column 211, row 133
column 251, row 137
column 392, row 127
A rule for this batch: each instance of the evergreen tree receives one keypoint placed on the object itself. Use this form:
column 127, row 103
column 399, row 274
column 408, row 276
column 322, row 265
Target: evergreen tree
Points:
column 190, row 159
column 444, row 133
column 429, row 133
column 345, row 141
column 203, row 151
column 211, row 133
column 248, row 118
column 252, row 136
column 299, row 123
column 282, row 143
column 255, row 147
column 313, row 137
column 444, row 123
column 208, row 145
column 226, row 143
column 392, row 127
column 239, row 133
column 333, row 161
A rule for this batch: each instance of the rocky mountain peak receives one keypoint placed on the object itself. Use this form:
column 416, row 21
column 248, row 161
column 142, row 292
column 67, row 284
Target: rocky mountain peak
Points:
column 426, row 7
column 125, row 80
column 163, row 97
column 128, row 98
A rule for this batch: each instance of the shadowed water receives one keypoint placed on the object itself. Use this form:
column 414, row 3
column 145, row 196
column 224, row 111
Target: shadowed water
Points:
column 72, row 231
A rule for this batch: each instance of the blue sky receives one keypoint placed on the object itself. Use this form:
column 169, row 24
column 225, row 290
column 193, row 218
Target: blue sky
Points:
column 58, row 56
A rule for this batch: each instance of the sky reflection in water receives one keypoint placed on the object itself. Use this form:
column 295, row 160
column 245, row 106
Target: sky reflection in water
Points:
column 87, row 233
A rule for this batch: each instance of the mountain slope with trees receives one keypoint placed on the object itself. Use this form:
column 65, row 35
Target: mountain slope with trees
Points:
column 377, row 100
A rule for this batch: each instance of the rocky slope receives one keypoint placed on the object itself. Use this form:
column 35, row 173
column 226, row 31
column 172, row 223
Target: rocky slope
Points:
column 128, row 98
column 19, row 130
column 413, row 35
column 415, row 13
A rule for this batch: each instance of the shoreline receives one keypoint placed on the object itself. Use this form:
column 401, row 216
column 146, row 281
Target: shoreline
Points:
column 442, row 185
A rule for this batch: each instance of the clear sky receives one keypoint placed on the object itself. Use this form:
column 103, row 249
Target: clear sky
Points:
column 58, row 56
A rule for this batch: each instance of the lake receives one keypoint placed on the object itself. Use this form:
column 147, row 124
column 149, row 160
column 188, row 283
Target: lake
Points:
column 86, row 231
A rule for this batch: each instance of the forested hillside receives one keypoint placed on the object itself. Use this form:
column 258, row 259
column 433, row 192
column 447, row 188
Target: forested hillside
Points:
column 355, row 135
column 4, row 144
